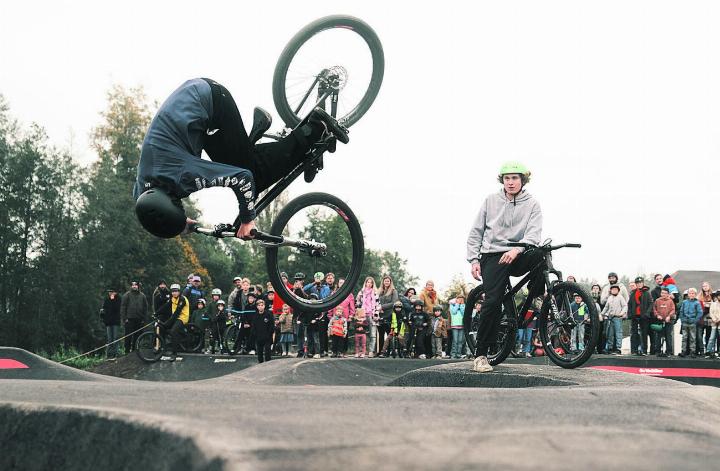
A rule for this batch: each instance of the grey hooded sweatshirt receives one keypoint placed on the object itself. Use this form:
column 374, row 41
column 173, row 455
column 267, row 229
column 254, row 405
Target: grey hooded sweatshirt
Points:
column 501, row 220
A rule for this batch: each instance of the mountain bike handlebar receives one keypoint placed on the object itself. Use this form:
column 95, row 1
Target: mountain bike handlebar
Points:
column 546, row 247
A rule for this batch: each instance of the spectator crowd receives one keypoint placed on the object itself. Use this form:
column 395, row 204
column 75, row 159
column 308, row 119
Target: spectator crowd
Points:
column 382, row 321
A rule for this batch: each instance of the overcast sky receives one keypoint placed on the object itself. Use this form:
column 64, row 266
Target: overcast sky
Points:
column 613, row 105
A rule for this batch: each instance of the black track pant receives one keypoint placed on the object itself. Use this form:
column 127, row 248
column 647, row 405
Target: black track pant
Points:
column 230, row 144
column 263, row 350
column 131, row 325
column 495, row 278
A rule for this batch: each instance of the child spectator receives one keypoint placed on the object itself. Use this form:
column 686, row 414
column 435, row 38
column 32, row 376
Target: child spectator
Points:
column 263, row 325
column 690, row 315
column 439, row 331
column 199, row 316
column 538, row 349
column 580, row 316
column 218, row 321
column 457, row 326
column 419, row 322
column 614, row 312
column 714, row 322
column 337, row 329
column 396, row 325
column 664, row 312
column 361, row 325
column 286, row 329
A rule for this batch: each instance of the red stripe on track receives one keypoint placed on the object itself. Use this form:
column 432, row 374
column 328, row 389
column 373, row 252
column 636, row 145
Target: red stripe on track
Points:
column 667, row 372
column 8, row 364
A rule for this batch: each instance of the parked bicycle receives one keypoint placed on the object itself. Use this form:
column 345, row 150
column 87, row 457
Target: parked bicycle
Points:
column 152, row 345
column 560, row 314
column 317, row 231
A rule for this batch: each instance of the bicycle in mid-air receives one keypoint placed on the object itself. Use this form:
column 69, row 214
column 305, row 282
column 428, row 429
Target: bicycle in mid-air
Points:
column 335, row 63
column 559, row 315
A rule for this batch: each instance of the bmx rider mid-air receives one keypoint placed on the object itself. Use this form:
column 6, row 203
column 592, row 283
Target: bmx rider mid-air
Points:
column 202, row 115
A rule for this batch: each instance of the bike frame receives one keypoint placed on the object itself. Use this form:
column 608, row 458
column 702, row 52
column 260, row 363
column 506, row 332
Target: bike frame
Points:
column 509, row 299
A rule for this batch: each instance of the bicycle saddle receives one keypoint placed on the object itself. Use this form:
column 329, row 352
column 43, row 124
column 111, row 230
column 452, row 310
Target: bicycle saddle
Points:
column 261, row 123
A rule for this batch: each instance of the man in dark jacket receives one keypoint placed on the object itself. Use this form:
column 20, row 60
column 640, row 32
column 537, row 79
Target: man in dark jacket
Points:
column 193, row 293
column 161, row 300
column 110, row 313
column 640, row 312
column 133, row 313
column 263, row 325
column 657, row 290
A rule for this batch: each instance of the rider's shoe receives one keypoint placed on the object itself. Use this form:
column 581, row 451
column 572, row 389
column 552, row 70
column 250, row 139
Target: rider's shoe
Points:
column 481, row 365
column 333, row 127
column 172, row 356
column 422, row 357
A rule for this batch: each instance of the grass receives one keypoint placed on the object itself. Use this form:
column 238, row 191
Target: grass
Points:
column 83, row 363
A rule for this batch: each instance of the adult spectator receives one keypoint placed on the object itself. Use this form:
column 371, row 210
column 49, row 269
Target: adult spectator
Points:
column 602, row 347
column 239, row 301
column 194, row 292
column 318, row 286
column 657, row 290
column 571, row 279
column 640, row 312
column 429, row 297
column 330, row 282
column 387, row 296
column 160, row 296
column 690, row 315
column 133, row 313
column 613, row 280
column 367, row 299
column 111, row 318
column 615, row 310
column 237, row 283
column 703, row 329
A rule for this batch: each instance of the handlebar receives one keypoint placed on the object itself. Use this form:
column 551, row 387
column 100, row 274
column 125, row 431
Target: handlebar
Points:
column 225, row 231
column 546, row 247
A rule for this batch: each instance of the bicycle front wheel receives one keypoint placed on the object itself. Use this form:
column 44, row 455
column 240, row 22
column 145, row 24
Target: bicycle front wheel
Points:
column 337, row 55
column 230, row 337
column 504, row 341
column 326, row 219
column 569, row 325
column 193, row 338
column 149, row 347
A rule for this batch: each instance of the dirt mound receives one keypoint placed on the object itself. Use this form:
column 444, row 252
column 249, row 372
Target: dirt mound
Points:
column 43, row 437
column 20, row 364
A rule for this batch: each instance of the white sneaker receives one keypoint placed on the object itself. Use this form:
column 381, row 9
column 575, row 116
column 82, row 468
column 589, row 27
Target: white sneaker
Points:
column 317, row 355
column 481, row 365
column 422, row 357
column 252, row 352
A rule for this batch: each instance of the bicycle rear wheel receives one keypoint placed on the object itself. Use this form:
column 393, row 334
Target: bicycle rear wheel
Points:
column 337, row 54
column 560, row 316
column 504, row 341
column 149, row 347
column 323, row 218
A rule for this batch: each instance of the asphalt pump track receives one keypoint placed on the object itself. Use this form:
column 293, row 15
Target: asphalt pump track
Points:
column 352, row 413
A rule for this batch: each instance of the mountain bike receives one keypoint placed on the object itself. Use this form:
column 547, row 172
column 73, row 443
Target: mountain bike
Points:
column 151, row 345
column 335, row 63
column 560, row 314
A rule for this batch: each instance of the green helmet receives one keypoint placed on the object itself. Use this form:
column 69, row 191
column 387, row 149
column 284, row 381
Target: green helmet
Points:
column 319, row 274
column 514, row 167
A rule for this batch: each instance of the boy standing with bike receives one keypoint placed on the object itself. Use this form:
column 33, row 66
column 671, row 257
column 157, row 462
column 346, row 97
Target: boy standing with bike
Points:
column 510, row 215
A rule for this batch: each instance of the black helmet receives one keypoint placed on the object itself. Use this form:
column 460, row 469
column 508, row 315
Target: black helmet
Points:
column 437, row 308
column 299, row 276
column 159, row 214
column 418, row 302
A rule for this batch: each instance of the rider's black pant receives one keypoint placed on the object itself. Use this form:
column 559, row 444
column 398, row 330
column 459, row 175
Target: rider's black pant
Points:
column 495, row 279
column 231, row 145
column 177, row 331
